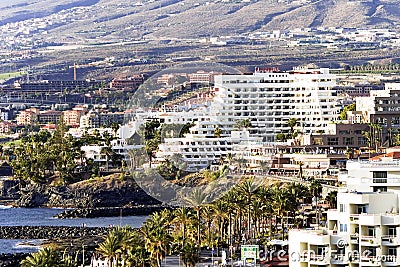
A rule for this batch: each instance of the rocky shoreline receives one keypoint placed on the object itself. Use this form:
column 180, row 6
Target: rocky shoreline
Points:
column 52, row 232
column 141, row 210
column 73, row 240
column 101, row 192
column 12, row 259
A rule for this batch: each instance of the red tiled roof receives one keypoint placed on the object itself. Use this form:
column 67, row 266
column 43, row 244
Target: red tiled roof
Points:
column 393, row 155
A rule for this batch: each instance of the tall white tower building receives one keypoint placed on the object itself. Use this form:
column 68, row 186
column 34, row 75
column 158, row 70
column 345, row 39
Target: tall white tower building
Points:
column 269, row 98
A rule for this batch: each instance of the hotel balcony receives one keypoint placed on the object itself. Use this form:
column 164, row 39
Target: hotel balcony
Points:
column 369, row 241
column 370, row 261
column 319, row 260
column 354, row 239
column 354, row 218
column 391, row 219
column 339, row 259
column 390, row 240
column 320, row 239
column 335, row 238
column 390, row 260
column 369, row 219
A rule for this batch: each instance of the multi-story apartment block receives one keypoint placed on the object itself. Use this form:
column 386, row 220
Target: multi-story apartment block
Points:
column 96, row 119
column 47, row 86
column 202, row 77
column 340, row 135
column 364, row 230
column 4, row 114
column 198, row 149
column 130, row 83
column 72, row 117
column 49, row 116
column 357, row 90
column 28, row 116
column 166, row 79
column 382, row 106
column 6, row 127
column 269, row 98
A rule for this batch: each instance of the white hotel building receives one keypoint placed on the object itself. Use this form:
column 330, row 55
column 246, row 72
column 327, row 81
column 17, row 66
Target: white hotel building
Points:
column 365, row 229
column 269, row 98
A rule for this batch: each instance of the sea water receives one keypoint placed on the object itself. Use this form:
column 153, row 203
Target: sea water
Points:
column 44, row 217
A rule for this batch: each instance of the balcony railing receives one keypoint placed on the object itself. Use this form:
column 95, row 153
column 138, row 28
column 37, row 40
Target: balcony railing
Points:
column 369, row 239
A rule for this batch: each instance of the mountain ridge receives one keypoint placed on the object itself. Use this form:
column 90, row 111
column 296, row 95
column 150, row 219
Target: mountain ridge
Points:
column 113, row 19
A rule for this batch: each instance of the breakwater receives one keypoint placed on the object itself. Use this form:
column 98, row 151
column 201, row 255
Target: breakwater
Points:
column 108, row 212
column 71, row 239
column 50, row 232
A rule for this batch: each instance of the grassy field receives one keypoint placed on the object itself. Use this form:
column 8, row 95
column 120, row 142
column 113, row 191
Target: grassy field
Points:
column 9, row 75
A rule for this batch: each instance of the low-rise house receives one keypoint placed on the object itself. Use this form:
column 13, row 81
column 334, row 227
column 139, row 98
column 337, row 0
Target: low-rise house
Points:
column 6, row 127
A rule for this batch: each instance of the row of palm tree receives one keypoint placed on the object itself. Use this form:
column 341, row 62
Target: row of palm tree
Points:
column 252, row 212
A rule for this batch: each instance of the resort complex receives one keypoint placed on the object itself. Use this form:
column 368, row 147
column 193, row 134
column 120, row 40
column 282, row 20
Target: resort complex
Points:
column 272, row 168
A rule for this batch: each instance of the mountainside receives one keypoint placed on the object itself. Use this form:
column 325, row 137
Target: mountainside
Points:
column 83, row 20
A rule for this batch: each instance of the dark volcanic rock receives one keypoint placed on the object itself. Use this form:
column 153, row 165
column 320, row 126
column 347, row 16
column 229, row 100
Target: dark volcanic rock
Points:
column 102, row 192
column 109, row 212
column 32, row 195
column 12, row 260
column 70, row 239
column 50, row 232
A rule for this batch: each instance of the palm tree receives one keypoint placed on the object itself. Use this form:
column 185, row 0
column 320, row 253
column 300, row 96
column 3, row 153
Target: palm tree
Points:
column 265, row 197
column 280, row 202
column 292, row 122
column 189, row 254
column 316, row 190
column 248, row 189
column 115, row 127
column 183, row 217
column 46, row 257
column 111, row 247
column 156, row 237
column 220, row 214
column 231, row 200
column 301, row 164
column 332, row 199
column 217, row 132
column 208, row 217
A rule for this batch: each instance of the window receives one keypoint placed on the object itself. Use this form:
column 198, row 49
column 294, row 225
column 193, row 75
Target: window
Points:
column 348, row 141
column 392, row 231
column 342, row 208
column 318, row 141
column 333, row 141
column 362, row 209
column 392, row 251
column 362, row 141
column 380, row 189
column 343, row 227
column 371, row 231
column 380, row 174
column 379, row 177
column 321, row 250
